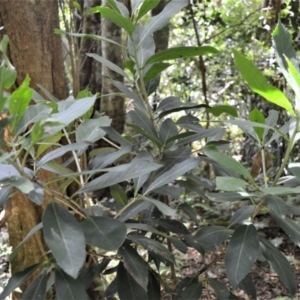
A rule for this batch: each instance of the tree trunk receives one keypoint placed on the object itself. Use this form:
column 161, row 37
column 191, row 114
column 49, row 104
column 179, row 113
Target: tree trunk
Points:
column 34, row 50
column 112, row 105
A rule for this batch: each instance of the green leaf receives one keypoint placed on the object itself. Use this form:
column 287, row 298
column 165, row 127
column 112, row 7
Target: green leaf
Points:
column 118, row 193
column 165, row 209
column 90, row 130
column 37, row 194
column 47, row 143
column 230, row 184
column 248, row 287
column 286, row 58
column 138, row 102
column 68, row 288
column 226, row 161
column 115, row 17
column 19, row 101
column 288, row 226
column 242, row 214
column 108, row 64
column 17, row 279
column 277, row 205
column 106, row 158
column 155, row 70
column 210, row 236
column 256, row 116
column 134, row 264
column 181, row 52
column 37, row 132
column 33, row 114
column 171, row 225
column 153, row 287
column 167, row 130
column 61, row 151
column 192, row 292
column 104, row 233
column 146, row 6
column 72, row 112
column 280, row 265
column 127, row 287
column 217, row 110
column 64, row 237
column 178, row 244
column 136, row 168
column 134, row 209
column 173, row 173
column 37, row 289
column 21, row 183
column 153, row 246
column 162, row 19
column 221, row 290
column 143, row 121
column 259, row 84
column 241, row 253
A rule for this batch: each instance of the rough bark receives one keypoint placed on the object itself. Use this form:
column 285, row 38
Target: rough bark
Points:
column 112, row 105
column 90, row 69
column 34, row 50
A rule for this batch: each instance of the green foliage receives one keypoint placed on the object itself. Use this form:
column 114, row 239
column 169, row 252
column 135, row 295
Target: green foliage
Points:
column 159, row 174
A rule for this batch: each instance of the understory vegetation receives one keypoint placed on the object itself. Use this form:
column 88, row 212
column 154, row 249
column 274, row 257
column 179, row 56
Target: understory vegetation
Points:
column 178, row 181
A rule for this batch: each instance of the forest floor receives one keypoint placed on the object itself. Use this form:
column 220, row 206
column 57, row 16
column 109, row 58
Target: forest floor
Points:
column 264, row 278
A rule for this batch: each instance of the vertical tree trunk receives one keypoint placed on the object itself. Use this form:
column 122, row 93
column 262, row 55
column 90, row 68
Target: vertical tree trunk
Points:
column 112, row 105
column 34, row 50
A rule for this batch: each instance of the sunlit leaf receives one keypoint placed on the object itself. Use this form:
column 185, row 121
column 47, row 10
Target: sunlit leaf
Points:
column 258, row 83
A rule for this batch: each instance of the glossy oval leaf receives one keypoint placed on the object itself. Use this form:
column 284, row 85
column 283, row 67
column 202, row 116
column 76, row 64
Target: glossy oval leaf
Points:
column 119, row 194
column 241, row 253
column 230, row 184
column 21, row 183
column 90, row 130
column 104, row 233
column 210, row 236
column 64, row 236
column 37, row 289
column 19, row 101
column 165, row 209
column 280, row 265
column 153, row 246
column 136, row 168
column 17, row 279
column 192, row 292
column 115, row 17
column 242, row 214
column 181, row 52
column 162, row 19
column 134, row 264
column 221, row 290
column 69, row 288
column 226, row 161
column 258, row 83
column 288, row 226
column 128, row 288
column 173, row 173
column 146, row 6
